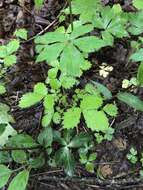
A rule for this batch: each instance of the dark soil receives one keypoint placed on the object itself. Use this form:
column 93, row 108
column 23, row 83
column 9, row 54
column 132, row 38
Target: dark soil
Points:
column 112, row 162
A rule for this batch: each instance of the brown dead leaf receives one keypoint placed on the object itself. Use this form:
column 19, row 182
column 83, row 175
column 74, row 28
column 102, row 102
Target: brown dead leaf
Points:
column 120, row 143
column 105, row 171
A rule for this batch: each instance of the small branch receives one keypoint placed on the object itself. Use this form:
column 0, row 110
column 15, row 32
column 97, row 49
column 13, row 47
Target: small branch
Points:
column 71, row 16
column 21, row 148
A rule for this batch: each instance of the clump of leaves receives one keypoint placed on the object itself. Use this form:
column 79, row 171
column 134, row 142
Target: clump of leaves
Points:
column 70, row 47
column 7, row 53
column 132, row 156
column 64, row 156
column 87, row 102
column 88, row 161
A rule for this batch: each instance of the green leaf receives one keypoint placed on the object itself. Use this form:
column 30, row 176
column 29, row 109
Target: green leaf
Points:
column 71, row 60
column 5, row 117
column 111, row 109
column 86, row 9
column 2, row 89
column 9, row 131
column 137, row 56
column 37, row 162
column 90, row 167
column 30, row 99
column 21, row 33
column 67, row 81
column 21, row 141
column 10, row 60
column 65, row 159
column 138, row 4
column 2, row 128
column 102, row 89
column 91, row 102
column 50, row 53
column 96, row 120
column 136, row 23
column 40, row 89
column 140, row 74
column 57, row 118
column 89, row 44
column 79, row 140
column 111, row 21
column 38, row 3
column 5, row 173
column 19, row 156
column 131, row 100
column 3, row 51
column 51, row 37
column 20, row 181
column 12, row 46
column 81, row 30
column 49, row 102
column 71, row 118
column 46, row 119
column 92, row 157
column 45, row 138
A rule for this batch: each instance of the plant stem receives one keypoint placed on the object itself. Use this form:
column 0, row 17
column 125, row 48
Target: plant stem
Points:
column 71, row 16
column 17, row 148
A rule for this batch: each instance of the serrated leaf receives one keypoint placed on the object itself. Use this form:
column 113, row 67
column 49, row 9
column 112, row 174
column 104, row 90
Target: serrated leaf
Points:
column 71, row 118
column 5, row 174
column 40, row 88
column 138, row 4
column 91, row 102
column 46, row 119
column 49, row 102
column 131, row 100
column 140, row 74
column 111, row 109
column 12, row 46
column 19, row 181
column 96, row 120
column 86, row 9
column 71, row 60
column 67, row 81
column 29, row 99
column 19, row 156
column 10, row 60
column 21, row 33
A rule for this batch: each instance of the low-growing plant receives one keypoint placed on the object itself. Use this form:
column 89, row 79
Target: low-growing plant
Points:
column 132, row 156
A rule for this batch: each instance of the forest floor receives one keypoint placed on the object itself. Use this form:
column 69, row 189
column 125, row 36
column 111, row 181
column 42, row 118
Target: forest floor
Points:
column 111, row 161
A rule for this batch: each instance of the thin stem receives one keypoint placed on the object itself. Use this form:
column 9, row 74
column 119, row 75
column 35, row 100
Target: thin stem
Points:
column 71, row 16
column 17, row 148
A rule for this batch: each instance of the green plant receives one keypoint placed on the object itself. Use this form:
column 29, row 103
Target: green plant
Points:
column 132, row 156
column 71, row 47
column 87, row 102
column 88, row 160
